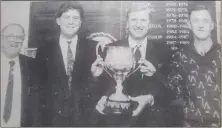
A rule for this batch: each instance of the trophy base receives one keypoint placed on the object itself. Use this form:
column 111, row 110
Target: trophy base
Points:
column 118, row 107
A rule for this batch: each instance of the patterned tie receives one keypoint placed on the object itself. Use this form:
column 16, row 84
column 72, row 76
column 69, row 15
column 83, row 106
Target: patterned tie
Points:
column 9, row 93
column 202, row 53
column 137, row 52
column 70, row 62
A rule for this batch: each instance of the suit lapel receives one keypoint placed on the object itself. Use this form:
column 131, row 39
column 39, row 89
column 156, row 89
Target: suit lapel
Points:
column 148, row 54
column 151, row 54
column 125, row 42
column 59, row 62
column 58, row 58
column 24, row 87
column 77, row 54
column 149, row 47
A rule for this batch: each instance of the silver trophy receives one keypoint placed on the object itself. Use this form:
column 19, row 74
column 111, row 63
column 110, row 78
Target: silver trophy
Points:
column 119, row 63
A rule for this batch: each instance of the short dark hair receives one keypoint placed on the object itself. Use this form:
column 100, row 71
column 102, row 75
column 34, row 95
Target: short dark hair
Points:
column 74, row 5
column 199, row 7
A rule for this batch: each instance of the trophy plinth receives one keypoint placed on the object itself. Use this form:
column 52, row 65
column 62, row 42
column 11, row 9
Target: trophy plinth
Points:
column 118, row 103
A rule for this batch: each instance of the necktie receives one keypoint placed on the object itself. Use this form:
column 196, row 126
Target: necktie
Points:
column 9, row 93
column 70, row 62
column 137, row 52
column 202, row 52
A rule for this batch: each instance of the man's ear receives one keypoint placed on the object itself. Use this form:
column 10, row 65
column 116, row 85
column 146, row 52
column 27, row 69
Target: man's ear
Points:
column 80, row 23
column 189, row 24
column 58, row 21
column 127, row 24
column 212, row 26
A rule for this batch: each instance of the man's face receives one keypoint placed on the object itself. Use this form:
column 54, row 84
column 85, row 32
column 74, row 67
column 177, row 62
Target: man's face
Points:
column 11, row 41
column 138, row 24
column 201, row 24
column 69, row 23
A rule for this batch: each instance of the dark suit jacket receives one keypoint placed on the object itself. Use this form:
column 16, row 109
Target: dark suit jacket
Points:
column 156, row 53
column 56, row 109
column 28, row 109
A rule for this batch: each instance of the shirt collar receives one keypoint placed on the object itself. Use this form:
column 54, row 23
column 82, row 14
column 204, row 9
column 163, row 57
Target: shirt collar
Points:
column 6, row 59
column 63, row 40
column 133, row 43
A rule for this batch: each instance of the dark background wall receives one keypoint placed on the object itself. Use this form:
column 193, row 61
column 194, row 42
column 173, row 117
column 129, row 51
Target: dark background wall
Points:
column 110, row 17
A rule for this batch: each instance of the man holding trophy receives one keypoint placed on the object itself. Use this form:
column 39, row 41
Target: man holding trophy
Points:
column 135, row 66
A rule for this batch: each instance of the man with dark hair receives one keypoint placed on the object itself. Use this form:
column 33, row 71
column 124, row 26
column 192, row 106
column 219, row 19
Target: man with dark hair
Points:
column 67, row 6
column 143, row 86
column 16, row 80
column 197, row 68
column 64, row 67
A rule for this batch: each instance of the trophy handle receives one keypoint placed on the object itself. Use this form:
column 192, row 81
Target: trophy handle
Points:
column 97, row 49
column 99, row 56
column 105, row 69
column 135, row 69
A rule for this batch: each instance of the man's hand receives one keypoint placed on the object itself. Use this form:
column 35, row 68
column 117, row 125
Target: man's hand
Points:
column 101, row 104
column 146, row 68
column 143, row 101
column 97, row 67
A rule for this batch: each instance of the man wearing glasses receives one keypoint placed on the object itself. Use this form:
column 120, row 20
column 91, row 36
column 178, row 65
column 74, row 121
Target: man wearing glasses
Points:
column 15, row 79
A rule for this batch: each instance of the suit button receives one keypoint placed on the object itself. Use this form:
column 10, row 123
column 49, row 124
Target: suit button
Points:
column 55, row 93
column 59, row 111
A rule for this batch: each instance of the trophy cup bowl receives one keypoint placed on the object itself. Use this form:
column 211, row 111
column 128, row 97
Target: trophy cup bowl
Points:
column 119, row 64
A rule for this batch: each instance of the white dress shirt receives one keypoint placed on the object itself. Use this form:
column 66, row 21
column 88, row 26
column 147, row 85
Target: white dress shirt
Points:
column 64, row 48
column 14, row 120
column 133, row 43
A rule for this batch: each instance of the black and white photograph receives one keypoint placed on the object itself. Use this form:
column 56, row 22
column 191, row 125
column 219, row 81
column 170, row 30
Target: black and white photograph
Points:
column 111, row 63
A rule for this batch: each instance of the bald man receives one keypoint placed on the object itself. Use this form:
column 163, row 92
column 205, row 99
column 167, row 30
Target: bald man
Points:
column 15, row 79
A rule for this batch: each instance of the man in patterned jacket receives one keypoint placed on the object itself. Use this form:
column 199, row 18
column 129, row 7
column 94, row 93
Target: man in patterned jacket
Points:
column 198, row 71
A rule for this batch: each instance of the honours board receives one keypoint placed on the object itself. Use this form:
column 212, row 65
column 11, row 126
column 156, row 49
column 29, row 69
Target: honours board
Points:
column 168, row 20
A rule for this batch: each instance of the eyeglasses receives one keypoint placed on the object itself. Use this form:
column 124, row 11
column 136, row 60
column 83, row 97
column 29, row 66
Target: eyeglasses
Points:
column 13, row 37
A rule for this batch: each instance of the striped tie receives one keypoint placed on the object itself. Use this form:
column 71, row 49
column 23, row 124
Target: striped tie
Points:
column 9, row 93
